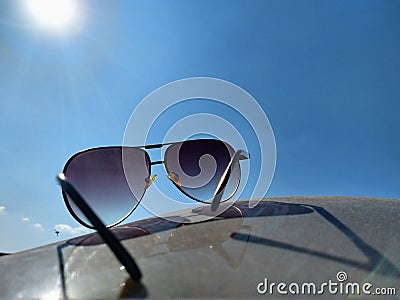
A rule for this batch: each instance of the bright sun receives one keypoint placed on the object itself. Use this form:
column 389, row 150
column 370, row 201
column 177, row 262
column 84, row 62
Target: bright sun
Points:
column 53, row 14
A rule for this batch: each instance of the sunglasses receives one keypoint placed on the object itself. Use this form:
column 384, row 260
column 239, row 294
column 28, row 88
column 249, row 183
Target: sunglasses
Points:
column 111, row 181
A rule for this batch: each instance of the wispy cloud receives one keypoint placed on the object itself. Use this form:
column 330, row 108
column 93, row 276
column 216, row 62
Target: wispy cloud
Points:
column 25, row 219
column 2, row 209
column 38, row 226
column 65, row 228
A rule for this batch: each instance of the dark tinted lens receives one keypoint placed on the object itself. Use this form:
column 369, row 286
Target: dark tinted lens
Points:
column 99, row 177
column 196, row 167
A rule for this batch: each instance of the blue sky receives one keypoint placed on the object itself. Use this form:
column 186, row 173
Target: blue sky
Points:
column 326, row 74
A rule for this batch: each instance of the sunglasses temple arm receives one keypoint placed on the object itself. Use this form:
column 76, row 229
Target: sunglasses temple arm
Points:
column 116, row 247
column 239, row 155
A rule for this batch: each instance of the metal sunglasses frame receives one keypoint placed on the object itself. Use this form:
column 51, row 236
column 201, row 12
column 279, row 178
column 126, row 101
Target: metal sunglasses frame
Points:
column 234, row 162
column 113, row 243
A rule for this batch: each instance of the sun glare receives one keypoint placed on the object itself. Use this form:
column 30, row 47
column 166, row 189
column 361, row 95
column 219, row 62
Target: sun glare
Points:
column 53, row 14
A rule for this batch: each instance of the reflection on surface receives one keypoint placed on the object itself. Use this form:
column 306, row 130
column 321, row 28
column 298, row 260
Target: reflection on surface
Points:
column 222, row 257
column 90, row 260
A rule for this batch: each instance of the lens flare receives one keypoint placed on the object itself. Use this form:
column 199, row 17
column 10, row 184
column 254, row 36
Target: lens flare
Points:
column 53, row 14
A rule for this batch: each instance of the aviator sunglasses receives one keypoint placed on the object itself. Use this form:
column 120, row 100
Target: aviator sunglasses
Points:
column 111, row 181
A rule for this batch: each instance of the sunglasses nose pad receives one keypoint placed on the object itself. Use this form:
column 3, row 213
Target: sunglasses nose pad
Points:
column 174, row 178
column 149, row 181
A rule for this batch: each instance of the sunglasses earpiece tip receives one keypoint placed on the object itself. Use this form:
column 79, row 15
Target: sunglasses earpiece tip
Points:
column 60, row 178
